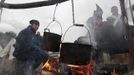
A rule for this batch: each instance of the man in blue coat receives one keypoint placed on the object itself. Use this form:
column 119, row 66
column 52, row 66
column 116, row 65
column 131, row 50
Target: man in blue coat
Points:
column 27, row 47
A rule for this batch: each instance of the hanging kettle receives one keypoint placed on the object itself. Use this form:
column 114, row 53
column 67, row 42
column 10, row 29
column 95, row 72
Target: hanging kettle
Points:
column 74, row 53
column 51, row 41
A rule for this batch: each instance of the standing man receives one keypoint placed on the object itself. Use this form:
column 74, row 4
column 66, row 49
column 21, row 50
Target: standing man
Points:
column 115, row 15
column 117, row 21
column 27, row 47
column 119, row 30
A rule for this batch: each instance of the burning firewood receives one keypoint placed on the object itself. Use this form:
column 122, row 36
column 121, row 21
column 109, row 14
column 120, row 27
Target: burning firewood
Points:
column 52, row 65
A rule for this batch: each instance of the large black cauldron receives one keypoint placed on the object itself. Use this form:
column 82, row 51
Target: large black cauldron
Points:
column 74, row 53
column 51, row 41
column 77, row 54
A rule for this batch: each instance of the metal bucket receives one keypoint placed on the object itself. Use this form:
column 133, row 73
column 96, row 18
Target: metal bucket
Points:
column 73, row 53
column 51, row 41
column 77, row 54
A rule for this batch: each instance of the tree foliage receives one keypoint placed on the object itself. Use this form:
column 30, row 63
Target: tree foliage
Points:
column 6, row 37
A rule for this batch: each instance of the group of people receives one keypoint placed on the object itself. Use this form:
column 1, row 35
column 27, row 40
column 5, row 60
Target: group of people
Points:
column 107, row 37
column 109, row 34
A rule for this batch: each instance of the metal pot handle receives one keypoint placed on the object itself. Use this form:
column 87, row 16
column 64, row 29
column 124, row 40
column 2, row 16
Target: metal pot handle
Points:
column 46, row 30
column 80, row 25
column 57, row 23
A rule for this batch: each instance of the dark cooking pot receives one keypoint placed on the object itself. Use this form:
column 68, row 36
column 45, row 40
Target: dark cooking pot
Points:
column 77, row 54
column 74, row 53
column 51, row 41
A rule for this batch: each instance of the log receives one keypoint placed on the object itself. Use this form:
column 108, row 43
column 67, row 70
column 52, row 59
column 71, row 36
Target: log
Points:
column 30, row 5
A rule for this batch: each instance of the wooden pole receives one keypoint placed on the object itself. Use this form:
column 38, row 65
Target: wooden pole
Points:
column 30, row 5
column 125, row 23
column 128, row 35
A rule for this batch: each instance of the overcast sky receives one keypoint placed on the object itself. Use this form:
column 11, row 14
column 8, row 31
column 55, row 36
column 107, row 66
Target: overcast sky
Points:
column 18, row 19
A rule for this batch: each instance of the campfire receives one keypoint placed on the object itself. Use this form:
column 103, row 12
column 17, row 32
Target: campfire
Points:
column 83, row 69
column 47, row 66
column 52, row 65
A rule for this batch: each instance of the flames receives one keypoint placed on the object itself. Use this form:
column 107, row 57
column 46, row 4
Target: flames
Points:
column 52, row 65
column 83, row 69
column 47, row 66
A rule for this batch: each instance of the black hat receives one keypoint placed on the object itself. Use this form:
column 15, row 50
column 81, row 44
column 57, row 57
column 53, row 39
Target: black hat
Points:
column 33, row 21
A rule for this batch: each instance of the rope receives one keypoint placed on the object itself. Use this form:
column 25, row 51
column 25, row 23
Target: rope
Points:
column 54, row 20
column 54, row 12
column 73, row 16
